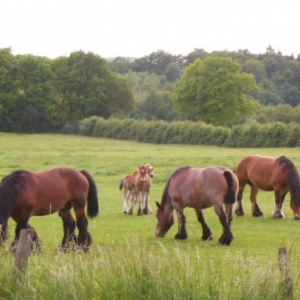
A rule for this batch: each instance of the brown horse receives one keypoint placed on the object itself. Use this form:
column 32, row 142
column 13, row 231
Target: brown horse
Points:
column 130, row 184
column 198, row 189
column 24, row 194
column 277, row 174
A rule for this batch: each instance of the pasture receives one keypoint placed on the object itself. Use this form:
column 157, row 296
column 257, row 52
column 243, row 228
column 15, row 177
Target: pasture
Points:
column 127, row 260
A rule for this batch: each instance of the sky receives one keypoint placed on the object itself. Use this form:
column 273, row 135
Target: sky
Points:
column 136, row 28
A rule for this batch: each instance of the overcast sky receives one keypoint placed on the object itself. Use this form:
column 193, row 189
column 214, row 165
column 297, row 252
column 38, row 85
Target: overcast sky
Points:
column 135, row 28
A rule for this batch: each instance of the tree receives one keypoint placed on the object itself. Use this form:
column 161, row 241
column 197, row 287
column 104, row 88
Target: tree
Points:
column 120, row 65
column 255, row 67
column 157, row 106
column 214, row 90
column 173, row 72
column 119, row 101
column 157, row 62
column 197, row 53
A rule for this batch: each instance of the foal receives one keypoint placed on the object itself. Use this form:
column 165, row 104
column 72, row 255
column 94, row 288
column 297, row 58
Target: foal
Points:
column 135, row 192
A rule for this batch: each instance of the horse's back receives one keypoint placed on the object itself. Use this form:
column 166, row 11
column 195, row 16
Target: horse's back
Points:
column 200, row 188
column 257, row 170
column 57, row 186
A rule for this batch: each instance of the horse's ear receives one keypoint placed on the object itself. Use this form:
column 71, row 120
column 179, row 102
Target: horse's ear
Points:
column 157, row 204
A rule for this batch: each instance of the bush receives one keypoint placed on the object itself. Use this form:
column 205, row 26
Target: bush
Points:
column 250, row 135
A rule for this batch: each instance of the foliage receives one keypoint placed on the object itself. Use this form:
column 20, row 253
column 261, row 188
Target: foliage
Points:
column 249, row 135
column 38, row 94
column 214, row 90
column 41, row 95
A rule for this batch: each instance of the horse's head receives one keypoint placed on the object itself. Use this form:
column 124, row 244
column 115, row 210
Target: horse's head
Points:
column 165, row 220
column 143, row 173
column 150, row 170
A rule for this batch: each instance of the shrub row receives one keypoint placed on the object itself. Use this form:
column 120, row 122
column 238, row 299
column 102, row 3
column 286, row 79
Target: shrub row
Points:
column 253, row 135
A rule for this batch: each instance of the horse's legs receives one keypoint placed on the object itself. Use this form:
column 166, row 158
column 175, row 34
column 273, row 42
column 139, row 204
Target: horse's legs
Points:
column 3, row 233
column 182, row 234
column 227, row 237
column 228, row 212
column 125, row 201
column 256, row 212
column 147, row 209
column 279, row 198
column 84, row 237
column 19, row 227
column 69, row 225
column 206, row 232
column 239, row 211
column 133, row 200
column 140, row 199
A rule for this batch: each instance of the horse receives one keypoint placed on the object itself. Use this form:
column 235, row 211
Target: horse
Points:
column 268, row 173
column 24, row 194
column 128, row 184
column 199, row 189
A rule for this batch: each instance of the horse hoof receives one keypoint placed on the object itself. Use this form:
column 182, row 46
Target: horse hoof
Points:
column 258, row 214
column 279, row 216
column 239, row 213
column 225, row 242
column 180, row 237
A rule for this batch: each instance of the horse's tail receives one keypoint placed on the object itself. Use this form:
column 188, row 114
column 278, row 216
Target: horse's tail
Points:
column 92, row 203
column 230, row 196
column 292, row 178
column 121, row 185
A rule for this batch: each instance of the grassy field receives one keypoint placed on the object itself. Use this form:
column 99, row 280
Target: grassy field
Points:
column 128, row 242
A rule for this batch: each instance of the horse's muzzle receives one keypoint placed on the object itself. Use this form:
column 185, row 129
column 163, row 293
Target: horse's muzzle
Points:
column 159, row 234
column 297, row 217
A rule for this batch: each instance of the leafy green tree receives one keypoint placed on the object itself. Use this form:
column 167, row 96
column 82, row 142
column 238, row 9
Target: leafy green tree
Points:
column 119, row 101
column 80, row 80
column 157, row 106
column 157, row 62
column 256, row 68
column 268, row 93
column 120, row 65
column 173, row 72
column 215, row 90
column 9, row 88
column 35, row 93
column 143, row 83
column 197, row 53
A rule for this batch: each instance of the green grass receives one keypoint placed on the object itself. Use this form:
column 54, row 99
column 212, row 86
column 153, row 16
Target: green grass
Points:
column 127, row 260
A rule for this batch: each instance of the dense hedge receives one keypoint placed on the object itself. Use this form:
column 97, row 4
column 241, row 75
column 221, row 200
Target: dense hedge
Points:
column 251, row 135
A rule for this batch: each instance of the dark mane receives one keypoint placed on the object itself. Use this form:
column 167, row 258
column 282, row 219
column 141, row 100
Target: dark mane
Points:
column 165, row 196
column 293, row 178
column 10, row 188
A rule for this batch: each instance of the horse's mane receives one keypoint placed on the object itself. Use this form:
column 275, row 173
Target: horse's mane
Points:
column 10, row 188
column 293, row 178
column 165, row 195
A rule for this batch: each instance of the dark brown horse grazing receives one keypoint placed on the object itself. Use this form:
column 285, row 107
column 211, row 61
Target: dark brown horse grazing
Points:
column 24, row 194
column 267, row 173
column 198, row 189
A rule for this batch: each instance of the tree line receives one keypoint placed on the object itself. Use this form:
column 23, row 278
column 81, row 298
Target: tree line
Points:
column 38, row 94
column 277, row 78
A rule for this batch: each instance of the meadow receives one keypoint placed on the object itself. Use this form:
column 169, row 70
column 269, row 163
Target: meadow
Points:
column 127, row 260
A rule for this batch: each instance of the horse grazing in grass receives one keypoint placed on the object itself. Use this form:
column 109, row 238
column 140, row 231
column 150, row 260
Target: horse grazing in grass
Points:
column 267, row 173
column 198, row 189
column 24, row 194
column 136, row 192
